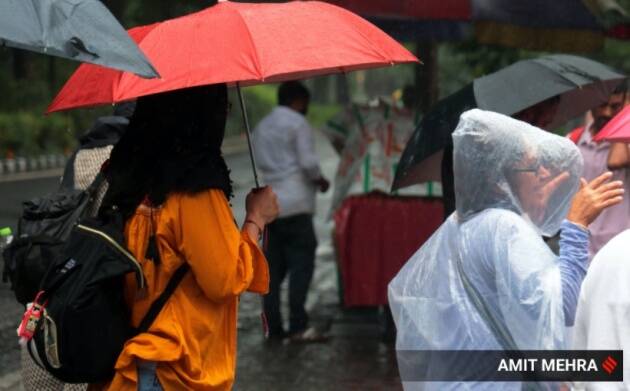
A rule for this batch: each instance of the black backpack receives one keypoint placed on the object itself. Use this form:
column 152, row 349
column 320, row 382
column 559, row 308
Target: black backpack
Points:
column 43, row 228
column 85, row 321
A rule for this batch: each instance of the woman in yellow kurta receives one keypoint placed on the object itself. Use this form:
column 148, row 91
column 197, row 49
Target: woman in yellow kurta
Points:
column 168, row 179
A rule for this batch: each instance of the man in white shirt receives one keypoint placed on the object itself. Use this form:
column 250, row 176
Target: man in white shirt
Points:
column 602, row 321
column 288, row 162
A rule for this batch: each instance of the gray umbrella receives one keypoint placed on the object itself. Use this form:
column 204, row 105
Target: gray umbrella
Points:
column 580, row 83
column 82, row 30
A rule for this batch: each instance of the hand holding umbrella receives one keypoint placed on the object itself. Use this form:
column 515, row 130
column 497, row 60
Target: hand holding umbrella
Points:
column 262, row 208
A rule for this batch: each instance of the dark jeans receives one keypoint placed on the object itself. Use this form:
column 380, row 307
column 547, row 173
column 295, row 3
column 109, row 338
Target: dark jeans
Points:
column 147, row 378
column 290, row 250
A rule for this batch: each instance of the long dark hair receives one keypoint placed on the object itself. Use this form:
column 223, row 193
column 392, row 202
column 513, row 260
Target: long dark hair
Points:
column 172, row 144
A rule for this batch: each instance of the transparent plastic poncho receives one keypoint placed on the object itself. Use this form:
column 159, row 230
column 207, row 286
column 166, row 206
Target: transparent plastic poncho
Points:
column 513, row 184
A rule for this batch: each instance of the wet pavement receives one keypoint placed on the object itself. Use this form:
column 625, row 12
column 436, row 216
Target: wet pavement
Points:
column 355, row 358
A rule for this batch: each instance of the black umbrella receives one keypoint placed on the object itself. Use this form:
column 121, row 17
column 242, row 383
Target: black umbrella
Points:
column 82, row 30
column 580, row 83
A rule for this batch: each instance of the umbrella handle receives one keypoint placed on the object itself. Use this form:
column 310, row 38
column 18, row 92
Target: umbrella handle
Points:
column 265, row 233
column 249, row 135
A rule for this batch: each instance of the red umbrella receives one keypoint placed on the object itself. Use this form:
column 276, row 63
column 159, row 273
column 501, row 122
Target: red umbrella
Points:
column 240, row 44
column 617, row 129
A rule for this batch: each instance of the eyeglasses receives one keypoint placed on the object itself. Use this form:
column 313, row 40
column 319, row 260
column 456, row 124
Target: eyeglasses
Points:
column 534, row 169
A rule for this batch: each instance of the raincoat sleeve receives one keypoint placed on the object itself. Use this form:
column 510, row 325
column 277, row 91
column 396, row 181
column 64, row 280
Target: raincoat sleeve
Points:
column 224, row 261
column 573, row 263
column 528, row 284
column 308, row 158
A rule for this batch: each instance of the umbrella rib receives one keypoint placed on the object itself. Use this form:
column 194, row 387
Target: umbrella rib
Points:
column 372, row 47
column 251, row 39
column 570, row 69
column 378, row 53
column 39, row 20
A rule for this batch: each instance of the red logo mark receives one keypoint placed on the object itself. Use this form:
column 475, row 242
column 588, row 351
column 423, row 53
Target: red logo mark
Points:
column 609, row 364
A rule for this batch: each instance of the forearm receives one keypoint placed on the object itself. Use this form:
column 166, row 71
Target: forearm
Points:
column 253, row 226
column 223, row 260
column 573, row 265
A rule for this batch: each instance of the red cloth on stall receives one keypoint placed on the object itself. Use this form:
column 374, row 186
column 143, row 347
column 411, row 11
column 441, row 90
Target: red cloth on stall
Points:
column 375, row 234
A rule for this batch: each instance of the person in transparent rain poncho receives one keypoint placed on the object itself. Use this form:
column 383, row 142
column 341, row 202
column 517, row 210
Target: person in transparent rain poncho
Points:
column 514, row 184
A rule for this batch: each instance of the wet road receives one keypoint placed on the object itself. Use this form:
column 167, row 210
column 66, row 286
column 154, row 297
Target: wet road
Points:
column 22, row 187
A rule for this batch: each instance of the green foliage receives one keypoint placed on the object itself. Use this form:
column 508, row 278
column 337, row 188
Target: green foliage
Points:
column 460, row 63
column 25, row 134
column 319, row 114
column 259, row 101
column 140, row 12
column 616, row 54
column 21, row 91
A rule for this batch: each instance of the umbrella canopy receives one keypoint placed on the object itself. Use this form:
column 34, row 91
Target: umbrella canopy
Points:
column 579, row 82
column 617, row 129
column 240, row 43
column 82, row 30
column 559, row 25
column 443, row 9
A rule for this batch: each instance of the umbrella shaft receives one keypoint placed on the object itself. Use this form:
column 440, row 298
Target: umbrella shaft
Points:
column 249, row 135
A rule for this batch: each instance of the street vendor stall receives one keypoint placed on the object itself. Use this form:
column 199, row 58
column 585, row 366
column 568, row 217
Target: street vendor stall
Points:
column 376, row 232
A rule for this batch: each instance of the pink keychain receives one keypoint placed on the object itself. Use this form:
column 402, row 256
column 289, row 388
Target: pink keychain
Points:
column 30, row 320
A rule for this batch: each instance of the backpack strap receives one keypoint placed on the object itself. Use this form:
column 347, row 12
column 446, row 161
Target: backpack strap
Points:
column 157, row 305
column 92, row 194
column 96, row 183
column 67, row 180
column 498, row 329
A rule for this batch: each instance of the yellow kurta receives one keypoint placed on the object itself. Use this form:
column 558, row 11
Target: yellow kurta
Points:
column 193, row 339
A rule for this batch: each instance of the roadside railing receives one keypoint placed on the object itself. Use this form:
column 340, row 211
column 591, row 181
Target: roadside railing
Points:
column 32, row 163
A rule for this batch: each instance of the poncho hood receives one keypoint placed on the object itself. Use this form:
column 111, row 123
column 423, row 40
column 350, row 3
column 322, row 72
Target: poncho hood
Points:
column 500, row 162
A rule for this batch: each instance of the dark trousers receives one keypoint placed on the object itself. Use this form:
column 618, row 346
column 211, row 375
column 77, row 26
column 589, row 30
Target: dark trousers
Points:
column 290, row 250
